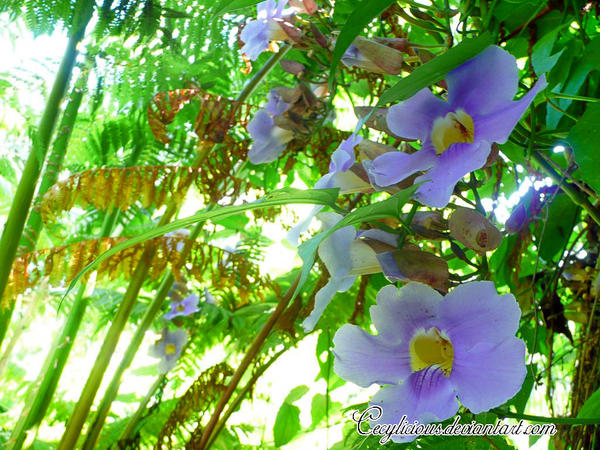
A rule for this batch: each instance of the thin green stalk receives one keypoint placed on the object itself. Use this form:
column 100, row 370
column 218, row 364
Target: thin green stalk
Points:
column 41, row 393
column 54, row 164
column 113, row 388
column 235, row 404
column 576, row 196
column 542, row 419
column 248, row 358
column 19, row 209
column 86, row 399
column 139, row 413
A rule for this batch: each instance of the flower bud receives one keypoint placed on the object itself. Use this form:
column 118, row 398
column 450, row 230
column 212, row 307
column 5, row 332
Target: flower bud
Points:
column 410, row 264
column 473, row 230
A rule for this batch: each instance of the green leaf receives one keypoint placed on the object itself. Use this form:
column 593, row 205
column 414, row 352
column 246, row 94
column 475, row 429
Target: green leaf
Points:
column 591, row 407
column 583, row 138
column 296, row 394
column 388, row 208
column 362, row 15
column 226, row 6
column 285, row 196
column 556, row 230
column 436, row 69
column 542, row 58
column 287, row 424
column 318, row 408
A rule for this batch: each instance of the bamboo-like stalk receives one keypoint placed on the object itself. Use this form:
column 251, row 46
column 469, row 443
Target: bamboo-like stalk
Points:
column 86, row 399
column 113, row 388
column 19, row 209
column 41, row 393
column 55, row 160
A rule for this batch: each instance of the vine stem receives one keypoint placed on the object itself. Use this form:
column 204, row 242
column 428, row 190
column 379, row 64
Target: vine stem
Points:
column 576, row 196
column 248, row 358
column 543, row 419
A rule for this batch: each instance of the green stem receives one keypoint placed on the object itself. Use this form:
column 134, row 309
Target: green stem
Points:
column 86, row 399
column 542, row 419
column 19, row 209
column 41, row 393
column 139, row 413
column 235, row 404
column 248, row 358
column 576, row 196
column 54, row 164
column 153, row 309
column 113, row 388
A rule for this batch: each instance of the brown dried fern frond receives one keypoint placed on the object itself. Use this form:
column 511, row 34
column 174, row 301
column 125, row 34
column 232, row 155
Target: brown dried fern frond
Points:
column 195, row 403
column 216, row 117
column 223, row 269
column 119, row 187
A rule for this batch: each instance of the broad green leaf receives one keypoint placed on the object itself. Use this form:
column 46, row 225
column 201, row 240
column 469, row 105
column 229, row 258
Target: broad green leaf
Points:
column 583, row 138
column 591, row 407
column 390, row 207
column 556, row 230
column 435, row 70
column 362, row 15
column 285, row 196
column 226, row 6
column 287, row 424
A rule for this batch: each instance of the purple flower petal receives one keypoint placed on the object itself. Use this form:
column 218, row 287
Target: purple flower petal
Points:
column 275, row 104
column 399, row 313
column 474, row 312
column 324, row 296
column 365, row 359
column 380, row 235
column 426, row 396
column 413, row 118
column 499, row 123
column 261, row 125
column 484, row 82
column 168, row 349
column 343, row 157
column 457, row 161
column 489, row 374
column 393, row 167
column 255, row 38
column 265, row 151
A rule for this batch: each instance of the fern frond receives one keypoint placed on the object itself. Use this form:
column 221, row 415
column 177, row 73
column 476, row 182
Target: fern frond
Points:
column 118, row 187
column 215, row 118
column 196, row 402
column 204, row 262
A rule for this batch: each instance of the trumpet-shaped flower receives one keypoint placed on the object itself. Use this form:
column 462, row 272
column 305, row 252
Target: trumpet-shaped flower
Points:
column 168, row 348
column 432, row 349
column 257, row 34
column 345, row 256
column 269, row 139
column 456, row 134
column 184, row 307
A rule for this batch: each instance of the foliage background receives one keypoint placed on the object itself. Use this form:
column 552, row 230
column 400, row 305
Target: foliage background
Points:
column 133, row 50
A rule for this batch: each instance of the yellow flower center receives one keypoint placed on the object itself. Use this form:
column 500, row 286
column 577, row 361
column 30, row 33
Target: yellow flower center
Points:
column 428, row 348
column 180, row 308
column 453, row 128
column 170, row 349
